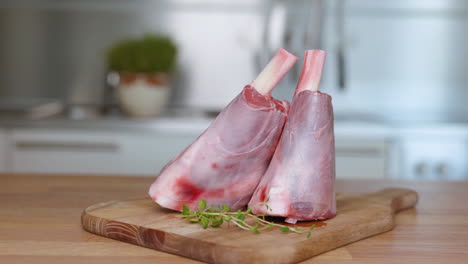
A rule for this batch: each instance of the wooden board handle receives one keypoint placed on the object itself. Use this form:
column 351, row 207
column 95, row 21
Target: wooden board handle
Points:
column 400, row 198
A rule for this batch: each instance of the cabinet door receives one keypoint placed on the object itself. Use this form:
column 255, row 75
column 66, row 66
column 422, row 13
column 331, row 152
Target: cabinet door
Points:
column 66, row 151
column 149, row 154
column 435, row 158
column 360, row 158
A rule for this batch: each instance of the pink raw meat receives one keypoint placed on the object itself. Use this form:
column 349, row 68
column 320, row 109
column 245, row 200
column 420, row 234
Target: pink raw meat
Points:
column 300, row 179
column 226, row 162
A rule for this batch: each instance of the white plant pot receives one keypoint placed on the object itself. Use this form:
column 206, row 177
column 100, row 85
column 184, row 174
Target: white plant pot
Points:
column 140, row 98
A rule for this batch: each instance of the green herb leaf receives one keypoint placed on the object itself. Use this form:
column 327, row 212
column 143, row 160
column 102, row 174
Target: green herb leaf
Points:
column 215, row 216
column 202, row 205
column 204, row 222
column 217, row 222
column 240, row 216
column 185, row 210
column 215, row 225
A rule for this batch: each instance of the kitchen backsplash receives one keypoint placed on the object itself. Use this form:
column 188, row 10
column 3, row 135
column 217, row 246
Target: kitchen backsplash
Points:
column 383, row 57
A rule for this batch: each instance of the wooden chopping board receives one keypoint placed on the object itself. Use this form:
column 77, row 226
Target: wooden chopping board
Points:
column 144, row 223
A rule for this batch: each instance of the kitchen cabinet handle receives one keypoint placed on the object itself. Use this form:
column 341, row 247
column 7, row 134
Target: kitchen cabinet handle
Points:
column 267, row 50
column 421, row 170
column 68, row 145
column 341, row 69
column 442, row 170
column 373, row 152
column 301, row 22
column 341, row 60
column 313, row 23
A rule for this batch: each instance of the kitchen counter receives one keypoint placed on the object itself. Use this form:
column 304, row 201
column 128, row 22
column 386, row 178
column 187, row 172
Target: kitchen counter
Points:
column 177, row 124
column 40, row 223
column 198, row 123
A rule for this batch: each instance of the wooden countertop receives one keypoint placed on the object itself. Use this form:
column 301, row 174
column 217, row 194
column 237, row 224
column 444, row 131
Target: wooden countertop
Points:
column 40, row 223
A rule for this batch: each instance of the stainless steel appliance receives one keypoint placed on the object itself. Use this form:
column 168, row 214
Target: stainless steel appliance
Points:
column 403, row 60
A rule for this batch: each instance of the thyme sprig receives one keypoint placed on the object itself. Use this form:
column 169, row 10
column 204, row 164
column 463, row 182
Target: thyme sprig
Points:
column 209, row 216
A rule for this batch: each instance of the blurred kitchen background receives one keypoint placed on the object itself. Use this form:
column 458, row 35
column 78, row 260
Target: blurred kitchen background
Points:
column 397, row 71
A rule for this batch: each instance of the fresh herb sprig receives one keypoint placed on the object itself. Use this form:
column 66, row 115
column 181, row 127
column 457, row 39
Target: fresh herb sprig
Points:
column 209, row 216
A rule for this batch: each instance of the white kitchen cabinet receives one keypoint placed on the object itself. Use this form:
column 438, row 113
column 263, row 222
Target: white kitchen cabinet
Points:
column 360, row 158
column 145, row 153
column 94, row 152
column 434, row 158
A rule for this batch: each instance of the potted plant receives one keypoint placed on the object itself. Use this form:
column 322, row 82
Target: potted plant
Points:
column 143, row 66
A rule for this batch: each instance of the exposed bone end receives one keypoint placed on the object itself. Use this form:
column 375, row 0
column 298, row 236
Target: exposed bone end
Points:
column 275, row 70
column 290, row 220
column 311, row 71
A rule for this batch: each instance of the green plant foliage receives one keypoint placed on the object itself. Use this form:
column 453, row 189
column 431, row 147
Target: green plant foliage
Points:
column 216, row 216
column 150, row 54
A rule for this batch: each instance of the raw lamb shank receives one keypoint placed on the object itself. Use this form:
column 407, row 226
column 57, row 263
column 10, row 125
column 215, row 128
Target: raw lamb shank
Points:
column 226, row 162
column 299, row 182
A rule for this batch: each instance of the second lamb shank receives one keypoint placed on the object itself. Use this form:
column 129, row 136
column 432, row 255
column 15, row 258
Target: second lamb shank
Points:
column 299, row 183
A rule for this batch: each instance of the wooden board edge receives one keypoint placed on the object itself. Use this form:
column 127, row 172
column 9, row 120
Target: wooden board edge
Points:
column 306, row 250
column 160, row 240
